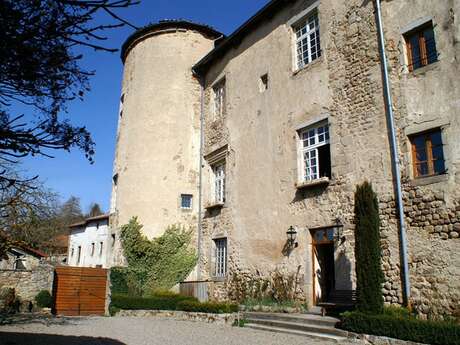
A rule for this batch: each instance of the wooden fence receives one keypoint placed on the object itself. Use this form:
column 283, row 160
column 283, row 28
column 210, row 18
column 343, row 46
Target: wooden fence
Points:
column 198, row 289
column 80, row 291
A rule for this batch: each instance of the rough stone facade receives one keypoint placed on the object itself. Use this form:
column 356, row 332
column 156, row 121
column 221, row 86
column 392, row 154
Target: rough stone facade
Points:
column 258, row 138
column 27, row 284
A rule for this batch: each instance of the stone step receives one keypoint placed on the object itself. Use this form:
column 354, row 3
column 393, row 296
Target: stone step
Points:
column 321, row 336
column 299, row 318
column 298, row 326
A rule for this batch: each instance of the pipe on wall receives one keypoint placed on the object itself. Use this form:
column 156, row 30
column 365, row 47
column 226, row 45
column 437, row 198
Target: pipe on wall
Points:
column 396, row 164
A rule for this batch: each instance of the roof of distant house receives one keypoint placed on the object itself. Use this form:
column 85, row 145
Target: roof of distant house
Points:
column 23, row 246
column 150, row 29
column 89, row 220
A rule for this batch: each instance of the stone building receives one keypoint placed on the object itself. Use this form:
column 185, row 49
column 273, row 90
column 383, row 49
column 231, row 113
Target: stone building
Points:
column 292, row 118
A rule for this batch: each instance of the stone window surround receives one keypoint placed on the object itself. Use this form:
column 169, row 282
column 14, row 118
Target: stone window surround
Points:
column 414, row 129
column 291, row 24
column 300, row 182
column 220, row 84
column 212, row 262
column 216, row 157
column 403, row 46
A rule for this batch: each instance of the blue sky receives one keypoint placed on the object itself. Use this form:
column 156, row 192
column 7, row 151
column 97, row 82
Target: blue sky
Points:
column 70, row 173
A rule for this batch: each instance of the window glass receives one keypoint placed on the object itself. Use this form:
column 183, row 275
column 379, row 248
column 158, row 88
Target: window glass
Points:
column 221, row 257
column 186, row 201
column 428, row 154
column 308, row 45
column 421, row 47
column 316, row 157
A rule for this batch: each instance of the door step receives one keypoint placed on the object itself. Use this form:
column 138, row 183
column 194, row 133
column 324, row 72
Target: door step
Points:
column 309, row 325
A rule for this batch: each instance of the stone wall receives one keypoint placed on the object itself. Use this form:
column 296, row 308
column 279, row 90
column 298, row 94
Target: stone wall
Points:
column 27, row 284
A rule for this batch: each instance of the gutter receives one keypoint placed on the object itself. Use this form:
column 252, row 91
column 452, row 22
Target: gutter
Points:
column 396, row 164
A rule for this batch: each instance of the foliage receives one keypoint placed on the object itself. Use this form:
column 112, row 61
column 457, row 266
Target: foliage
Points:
column 239, row 322
column 169, row 301
column 396, row 311
column 95, row 210
column 157, row 264
column 44, row 299
column 280, row 287
column 40, row 73
column 11, row 302
column 149, row 303
column 207, row 307
column 411, row 329
column 369, row 275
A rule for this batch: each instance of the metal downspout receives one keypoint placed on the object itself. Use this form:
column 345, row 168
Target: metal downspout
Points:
column 394, row 155
column 200, row 187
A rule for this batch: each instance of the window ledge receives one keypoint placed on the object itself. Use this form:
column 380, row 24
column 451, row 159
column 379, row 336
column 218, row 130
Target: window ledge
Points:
column 211, row 206
column 422, row 70
column 323, row 181
column 219, row 279
column 305, row 68
column 423, row 181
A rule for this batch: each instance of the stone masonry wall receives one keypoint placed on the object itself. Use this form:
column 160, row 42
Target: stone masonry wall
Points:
column 28, row 284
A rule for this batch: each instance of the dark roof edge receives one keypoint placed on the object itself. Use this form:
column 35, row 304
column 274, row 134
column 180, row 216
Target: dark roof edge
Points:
column 163, row 25
column 236, row 37
column 89, row 220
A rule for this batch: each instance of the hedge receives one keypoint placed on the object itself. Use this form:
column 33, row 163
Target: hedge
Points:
column 208, row 307
column 169, row 301
column 149, row 303
column 410, row 329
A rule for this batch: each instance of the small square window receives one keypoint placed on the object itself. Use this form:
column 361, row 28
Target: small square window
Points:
column 421, row 47
column 92, row 248
column 428, row 154
column 186, row 201
column 263, row 83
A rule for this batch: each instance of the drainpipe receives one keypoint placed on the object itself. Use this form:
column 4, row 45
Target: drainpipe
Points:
column 200, row 187
column 394, row 155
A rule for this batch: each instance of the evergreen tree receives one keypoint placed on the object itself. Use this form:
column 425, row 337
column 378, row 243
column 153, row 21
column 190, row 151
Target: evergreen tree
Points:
column 95, row 210
column 369, row 273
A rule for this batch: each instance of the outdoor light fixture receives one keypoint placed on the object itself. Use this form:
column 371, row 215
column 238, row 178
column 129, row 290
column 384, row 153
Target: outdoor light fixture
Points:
column 338, row 231
column 292, row 235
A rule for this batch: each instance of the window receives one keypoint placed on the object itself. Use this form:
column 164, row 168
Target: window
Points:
column 219, row 99
column 92, row 248
column 113, row 240
column 421, row 47
column 72, row 252
column 221, row 257
column 219, row 182
column 101, row 247
column 186, row 201
column 78, row 254
column 308, row 45
column 115, row 179
column 263, row 83
column 315, row 153
column 428, row 154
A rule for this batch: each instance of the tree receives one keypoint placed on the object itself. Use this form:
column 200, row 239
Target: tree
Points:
column 39, row 69
column 369, row 275
column 95, row 210
column 70, row 211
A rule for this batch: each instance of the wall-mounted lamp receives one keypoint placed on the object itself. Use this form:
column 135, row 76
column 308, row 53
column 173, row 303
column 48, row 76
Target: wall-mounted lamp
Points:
column 292, row 236
column 338, row 231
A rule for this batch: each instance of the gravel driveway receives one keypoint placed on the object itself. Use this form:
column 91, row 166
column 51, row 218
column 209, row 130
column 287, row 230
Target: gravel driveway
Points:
column 137, row 331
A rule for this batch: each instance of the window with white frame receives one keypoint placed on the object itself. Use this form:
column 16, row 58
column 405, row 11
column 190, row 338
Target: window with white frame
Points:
column 219, row 182
column 219, row 99
column 307, row 40
column 315, row 152
column 220, row 257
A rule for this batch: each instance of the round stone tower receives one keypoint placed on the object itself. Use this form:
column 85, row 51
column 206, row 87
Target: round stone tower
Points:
column 156, row 169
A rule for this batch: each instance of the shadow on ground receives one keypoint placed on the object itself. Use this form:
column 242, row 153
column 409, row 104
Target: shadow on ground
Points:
column 44, row 319
column 12, row 338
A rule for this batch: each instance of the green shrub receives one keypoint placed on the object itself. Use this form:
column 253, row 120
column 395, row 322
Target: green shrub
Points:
column 208, row 307
column 396, row 311
column 369, row 275
column 118, row 280
column 155, row 264
column 44, row 299
column 149, row 303
column 410, row 329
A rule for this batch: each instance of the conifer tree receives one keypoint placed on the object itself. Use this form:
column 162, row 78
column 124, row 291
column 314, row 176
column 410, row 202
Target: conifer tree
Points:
column 369, row 273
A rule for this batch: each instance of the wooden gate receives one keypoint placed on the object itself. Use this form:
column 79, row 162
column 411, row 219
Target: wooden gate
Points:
column 80, row 291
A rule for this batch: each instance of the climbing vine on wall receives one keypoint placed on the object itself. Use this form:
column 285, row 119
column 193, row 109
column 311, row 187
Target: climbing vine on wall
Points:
column 156, row 264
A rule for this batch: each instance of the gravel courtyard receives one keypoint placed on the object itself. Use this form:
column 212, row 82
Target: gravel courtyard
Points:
column 137, row 331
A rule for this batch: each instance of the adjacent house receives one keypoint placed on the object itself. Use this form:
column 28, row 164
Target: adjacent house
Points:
column 91, row 243
column 258, row 140
column 21, row 257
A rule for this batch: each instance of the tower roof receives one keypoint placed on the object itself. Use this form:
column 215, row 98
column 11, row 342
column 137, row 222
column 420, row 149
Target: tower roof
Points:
column 162, row 25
